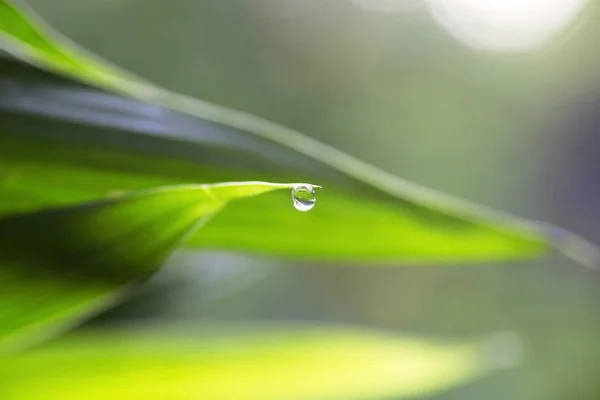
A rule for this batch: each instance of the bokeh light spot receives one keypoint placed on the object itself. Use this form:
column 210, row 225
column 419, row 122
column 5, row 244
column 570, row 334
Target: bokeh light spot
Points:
column 505, row 25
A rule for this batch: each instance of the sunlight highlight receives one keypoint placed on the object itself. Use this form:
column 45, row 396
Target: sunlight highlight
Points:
column 505, row 25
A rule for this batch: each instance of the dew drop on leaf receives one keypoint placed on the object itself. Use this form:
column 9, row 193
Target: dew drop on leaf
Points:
column 303, row 197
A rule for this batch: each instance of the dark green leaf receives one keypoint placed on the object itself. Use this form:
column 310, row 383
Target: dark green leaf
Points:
column 59, row 265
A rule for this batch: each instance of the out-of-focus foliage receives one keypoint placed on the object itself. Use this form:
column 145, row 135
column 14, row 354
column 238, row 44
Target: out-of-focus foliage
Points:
column 296, row 363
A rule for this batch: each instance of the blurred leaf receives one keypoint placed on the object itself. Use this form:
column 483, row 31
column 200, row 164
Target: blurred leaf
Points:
column 394, row 221
column 59, row 265
column 213, row 363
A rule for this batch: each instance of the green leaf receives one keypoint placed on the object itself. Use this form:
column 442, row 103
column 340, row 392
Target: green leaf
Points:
column 59, row 265
column 377, row 217
column 340, row 225
column 296, row 363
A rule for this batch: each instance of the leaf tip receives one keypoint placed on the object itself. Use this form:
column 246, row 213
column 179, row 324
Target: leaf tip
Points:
column 575, row 247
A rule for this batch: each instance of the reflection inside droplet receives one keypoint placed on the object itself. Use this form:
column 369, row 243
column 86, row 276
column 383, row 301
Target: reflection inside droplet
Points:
column 303, row 197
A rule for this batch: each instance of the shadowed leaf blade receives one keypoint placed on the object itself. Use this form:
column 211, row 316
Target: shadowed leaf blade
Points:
column 59, row 265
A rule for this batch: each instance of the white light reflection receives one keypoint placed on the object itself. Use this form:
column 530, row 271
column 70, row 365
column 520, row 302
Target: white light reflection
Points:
column 505, row 25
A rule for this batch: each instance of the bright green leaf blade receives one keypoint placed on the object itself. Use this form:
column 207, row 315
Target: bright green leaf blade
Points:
column 61, row 264
column 340, row 226
column 291, row 364
column 413, row 224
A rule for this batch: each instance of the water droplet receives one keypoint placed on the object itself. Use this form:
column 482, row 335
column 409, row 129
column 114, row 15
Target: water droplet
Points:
column 303, row 197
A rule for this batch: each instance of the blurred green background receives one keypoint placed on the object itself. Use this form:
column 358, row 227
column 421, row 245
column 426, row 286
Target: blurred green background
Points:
column 499, row 108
